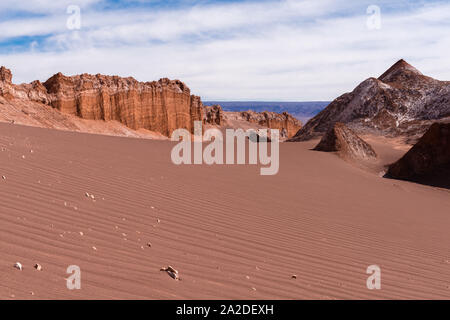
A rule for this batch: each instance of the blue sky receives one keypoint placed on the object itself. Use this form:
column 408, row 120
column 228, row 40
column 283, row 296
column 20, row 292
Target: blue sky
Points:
column 286, row 50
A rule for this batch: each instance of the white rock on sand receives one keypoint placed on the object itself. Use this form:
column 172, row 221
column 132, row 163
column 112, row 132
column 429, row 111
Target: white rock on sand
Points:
column 171, row 272
column 18, row 266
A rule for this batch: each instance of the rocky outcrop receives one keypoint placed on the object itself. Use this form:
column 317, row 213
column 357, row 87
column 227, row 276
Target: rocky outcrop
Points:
column 213, row 115
column 159, row 106
column 31, row 92
column 430, row 155
column 5, row 75
column 402, row 101
column 284, row 122
column 346, row 143
column 287, row 124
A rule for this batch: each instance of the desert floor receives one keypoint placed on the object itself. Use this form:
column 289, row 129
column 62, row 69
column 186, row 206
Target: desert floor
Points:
column 230, row 232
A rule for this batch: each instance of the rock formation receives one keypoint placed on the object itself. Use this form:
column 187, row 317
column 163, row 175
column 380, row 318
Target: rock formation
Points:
column 287, row 124
column 213, row 115
column 160, row 106
column 5, row 75
column 346, row 143
column 430, row 155
column 402, row 101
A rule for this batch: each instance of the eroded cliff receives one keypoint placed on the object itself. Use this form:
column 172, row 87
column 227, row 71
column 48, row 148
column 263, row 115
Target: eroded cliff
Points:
column 160, row 106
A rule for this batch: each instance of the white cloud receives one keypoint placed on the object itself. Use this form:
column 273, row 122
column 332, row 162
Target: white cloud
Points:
column 43, row 6
column 288, row 50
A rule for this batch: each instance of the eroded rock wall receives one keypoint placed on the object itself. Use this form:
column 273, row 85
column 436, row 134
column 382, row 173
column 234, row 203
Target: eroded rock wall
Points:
column 160, row 106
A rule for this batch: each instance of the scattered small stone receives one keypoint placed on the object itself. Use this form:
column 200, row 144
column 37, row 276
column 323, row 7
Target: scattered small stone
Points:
column 94, row 248
column 87, row 194
column 3, row 177
column 38, row 267
column 92, row 196
column 32, row 293
column 253, row 288
column 172, row 272
column 294, row 276
column 158, row 220
column 23, row 157
column 149, row 244
column 247, row 277
column 81, row 233
column 18, row 266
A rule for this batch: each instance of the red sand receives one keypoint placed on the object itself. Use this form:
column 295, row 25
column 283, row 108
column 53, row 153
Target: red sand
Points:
column 230, row 232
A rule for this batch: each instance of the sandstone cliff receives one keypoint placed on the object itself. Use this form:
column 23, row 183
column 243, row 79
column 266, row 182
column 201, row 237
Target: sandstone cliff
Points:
column 428, row 158
column 346, row 143
column 402, row 101
column 159, row 106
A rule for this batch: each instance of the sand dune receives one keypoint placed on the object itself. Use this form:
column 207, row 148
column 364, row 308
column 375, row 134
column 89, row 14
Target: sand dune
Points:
column 230, row 232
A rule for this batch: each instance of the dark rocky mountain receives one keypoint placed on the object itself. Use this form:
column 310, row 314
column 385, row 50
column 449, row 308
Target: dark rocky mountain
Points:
column 428, row 161
column 402, row 101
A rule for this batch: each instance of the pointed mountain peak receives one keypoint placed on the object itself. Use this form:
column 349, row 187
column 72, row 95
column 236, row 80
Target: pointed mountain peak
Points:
column 400, row 67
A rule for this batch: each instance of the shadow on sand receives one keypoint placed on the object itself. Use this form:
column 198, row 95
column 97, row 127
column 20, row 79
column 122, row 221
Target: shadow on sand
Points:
column 438, row 178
